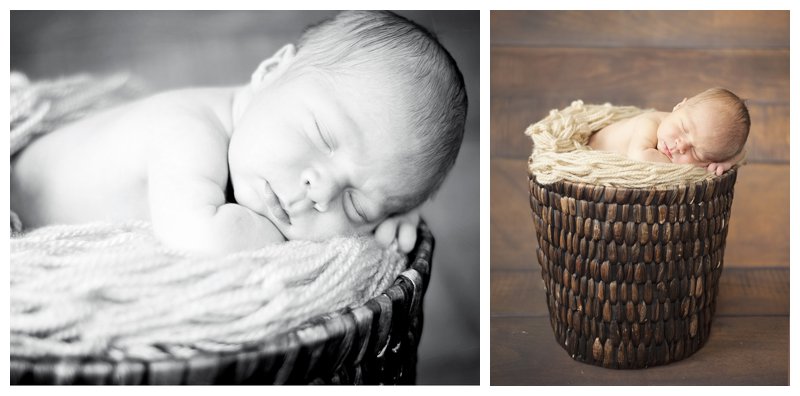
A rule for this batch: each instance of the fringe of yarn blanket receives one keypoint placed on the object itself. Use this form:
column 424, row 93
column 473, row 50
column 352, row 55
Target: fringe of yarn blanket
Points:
column 560, row 152
column 114, row 291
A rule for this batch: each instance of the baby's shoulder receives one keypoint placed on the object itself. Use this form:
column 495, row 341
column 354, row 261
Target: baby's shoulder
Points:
column 181, row 102
column 644, row 124
column 644, row 130
column 649, row 118
column 185, row 111
column 186, row 129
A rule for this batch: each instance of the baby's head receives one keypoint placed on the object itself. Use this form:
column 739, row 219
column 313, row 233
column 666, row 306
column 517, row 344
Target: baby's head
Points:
column 710, row 127
column 363, row 121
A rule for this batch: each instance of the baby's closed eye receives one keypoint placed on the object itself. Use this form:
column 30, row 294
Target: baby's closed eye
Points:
column 355, row 211
column 324, row 138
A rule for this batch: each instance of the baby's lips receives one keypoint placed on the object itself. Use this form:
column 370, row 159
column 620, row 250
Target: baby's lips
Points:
column 667, row 151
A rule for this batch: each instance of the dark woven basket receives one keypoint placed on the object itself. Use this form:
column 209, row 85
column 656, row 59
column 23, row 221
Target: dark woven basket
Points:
column 373, row 344
column 631, row 275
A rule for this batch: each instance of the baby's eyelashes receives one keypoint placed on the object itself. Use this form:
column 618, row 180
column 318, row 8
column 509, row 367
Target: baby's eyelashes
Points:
column 354, row 206
column 325, row 139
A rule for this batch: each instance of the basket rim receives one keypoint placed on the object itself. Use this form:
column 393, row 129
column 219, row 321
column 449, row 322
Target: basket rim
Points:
column 691, row 193
column 716, row 180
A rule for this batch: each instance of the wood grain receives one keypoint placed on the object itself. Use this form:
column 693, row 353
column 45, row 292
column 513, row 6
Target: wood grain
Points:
column 517, row 293
column 753, row 292
column 768, row 140
column 665, row 29
column 638, row 75
column 758, row 235
column 742, row 292
column 741, row 351
column 512, row 236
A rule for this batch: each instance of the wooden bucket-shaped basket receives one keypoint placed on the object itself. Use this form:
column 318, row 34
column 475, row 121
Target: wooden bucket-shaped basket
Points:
column 631, row 275
column 375, row 343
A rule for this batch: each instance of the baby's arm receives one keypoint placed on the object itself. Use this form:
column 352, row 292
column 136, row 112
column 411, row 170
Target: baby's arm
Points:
column 648, row 154
column 186, row 179
column 644, row 140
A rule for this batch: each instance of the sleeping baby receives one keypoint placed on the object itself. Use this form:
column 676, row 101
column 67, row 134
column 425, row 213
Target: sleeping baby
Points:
column 707, row 130
column 348, row 133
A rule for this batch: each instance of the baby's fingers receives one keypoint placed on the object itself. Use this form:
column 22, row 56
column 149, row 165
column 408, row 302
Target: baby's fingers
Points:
column 386, row 231
column 407, row 237
column 715, row 168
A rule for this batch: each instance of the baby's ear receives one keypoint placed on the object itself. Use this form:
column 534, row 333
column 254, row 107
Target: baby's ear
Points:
column 678, row 106
column 270, row 69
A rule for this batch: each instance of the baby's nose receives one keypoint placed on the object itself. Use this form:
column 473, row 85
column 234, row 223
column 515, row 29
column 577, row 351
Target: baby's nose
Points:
column 321, row 188
column 680, row 145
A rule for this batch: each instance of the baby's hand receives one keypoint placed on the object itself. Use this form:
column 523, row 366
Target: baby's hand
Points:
column 719, row 168
column 402, row 228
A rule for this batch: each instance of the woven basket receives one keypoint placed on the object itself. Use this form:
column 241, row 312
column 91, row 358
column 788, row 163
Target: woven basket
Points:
column 631, row 275
column 372, row 344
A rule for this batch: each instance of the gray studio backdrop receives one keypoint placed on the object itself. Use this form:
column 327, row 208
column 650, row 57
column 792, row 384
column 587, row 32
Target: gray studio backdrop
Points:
column 189, row 48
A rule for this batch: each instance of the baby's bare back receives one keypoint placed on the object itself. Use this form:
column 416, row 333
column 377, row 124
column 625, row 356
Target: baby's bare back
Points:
column 627, row 135
column 95, row 168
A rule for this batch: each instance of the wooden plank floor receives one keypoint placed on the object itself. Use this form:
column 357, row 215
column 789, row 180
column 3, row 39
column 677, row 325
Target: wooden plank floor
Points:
column 749, row 341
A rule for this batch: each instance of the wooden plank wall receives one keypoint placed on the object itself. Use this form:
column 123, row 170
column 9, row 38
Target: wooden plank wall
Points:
column 541, row 60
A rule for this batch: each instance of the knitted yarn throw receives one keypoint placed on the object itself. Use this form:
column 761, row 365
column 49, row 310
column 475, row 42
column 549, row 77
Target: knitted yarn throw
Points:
column 113, row 290
column 561, row 152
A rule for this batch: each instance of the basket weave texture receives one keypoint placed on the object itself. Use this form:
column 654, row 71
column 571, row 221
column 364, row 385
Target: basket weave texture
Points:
column 372, row 344
column 631, row 275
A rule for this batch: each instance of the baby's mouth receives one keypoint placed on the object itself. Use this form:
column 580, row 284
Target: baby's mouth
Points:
column 274, row 205
column 667, row 151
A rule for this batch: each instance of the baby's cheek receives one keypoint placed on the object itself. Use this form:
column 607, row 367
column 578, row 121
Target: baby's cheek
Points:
column 686, row 160
column 678, row 158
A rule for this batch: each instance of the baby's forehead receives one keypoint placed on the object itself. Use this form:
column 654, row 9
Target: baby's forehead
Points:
column 714, row 136
column 714, row 112
column 722, row 103
column 720, row 109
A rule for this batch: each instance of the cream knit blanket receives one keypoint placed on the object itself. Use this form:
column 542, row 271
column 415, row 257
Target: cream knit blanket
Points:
column 114, row 291
column 560, row 152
